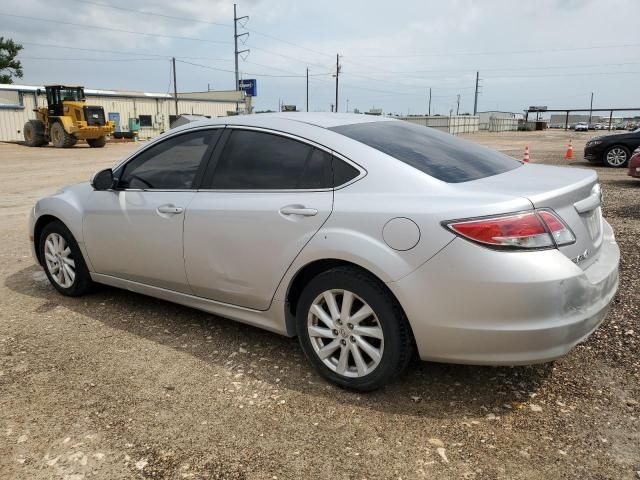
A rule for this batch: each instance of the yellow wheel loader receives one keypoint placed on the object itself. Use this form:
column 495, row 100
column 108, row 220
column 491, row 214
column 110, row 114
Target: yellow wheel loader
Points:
column 67, row 119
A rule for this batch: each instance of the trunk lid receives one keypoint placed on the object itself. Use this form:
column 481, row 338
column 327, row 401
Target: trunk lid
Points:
column 573, row 193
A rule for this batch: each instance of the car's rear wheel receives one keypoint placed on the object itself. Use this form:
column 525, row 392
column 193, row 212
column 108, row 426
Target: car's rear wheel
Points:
column 34, row 133
column 62, row 260
column 616, row 156
column 352, row 329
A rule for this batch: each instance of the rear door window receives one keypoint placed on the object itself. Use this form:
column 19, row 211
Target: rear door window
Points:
column 435, row 153
column 254, row 160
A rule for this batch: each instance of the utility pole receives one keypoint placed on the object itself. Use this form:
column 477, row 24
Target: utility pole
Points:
column 458, row 106
column 307, row 89
column 590, row 110
column 475, row 101
column 347, row 105
column 175, row 87
column 235, row 43
column 337, row 73
column 429, row 101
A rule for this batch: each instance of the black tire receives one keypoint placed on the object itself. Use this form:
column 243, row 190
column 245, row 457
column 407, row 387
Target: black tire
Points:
column 97, row 142
column 34, row 133
column 610, row 162
column 60, row 138
column 398, row 339
column 82, row 282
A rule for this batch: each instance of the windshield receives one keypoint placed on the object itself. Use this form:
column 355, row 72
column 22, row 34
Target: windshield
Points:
column 71, row 94
column 435, row 153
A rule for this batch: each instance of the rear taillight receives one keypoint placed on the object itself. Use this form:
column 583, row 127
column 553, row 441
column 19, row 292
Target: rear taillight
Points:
column 530, row 230
column 560, row 232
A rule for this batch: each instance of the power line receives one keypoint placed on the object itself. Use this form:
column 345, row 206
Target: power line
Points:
column 246, row 73
column 48, row 45
column 253, row 47
column 512, row 52
column 173, row 17
column 64, row 59
column 112, row 29
column 564, row 75
column 159, row 35
column 206, row 22
column 404, row 85
column 537, row 67
column 161, row 57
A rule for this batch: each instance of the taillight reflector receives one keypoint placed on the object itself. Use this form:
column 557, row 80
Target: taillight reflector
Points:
column 561, row 233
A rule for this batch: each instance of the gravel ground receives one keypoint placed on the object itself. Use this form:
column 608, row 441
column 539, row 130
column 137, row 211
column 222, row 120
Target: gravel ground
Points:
column 118, row 385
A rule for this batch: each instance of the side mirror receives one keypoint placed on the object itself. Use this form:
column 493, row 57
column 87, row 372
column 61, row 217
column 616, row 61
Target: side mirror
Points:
column 103, row 180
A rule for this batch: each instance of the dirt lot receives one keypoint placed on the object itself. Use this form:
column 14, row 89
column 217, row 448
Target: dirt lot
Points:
column 117, row 385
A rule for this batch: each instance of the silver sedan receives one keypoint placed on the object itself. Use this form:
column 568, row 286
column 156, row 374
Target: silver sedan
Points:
column 369, row 238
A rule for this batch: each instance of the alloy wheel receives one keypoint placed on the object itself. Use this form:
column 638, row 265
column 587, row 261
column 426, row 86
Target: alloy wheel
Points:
column 60, row 264
column 616, row 157
column 345, row 333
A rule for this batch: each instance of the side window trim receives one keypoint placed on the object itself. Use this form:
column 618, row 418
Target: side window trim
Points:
column 222, row 141
column 118, row 170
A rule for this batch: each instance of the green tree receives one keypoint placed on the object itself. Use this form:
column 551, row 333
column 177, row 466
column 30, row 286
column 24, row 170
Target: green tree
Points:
column 9, row 66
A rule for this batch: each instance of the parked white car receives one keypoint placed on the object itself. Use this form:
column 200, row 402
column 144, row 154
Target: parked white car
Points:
column 581, row 127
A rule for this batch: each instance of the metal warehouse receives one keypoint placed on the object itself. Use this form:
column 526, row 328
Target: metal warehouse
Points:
column 153, row 112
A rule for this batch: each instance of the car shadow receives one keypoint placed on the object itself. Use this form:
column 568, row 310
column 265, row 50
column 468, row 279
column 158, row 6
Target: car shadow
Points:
column 426, row 389
column 584, row 163
column 625, row 183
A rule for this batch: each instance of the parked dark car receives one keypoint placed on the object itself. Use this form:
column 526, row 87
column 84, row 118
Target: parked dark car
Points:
column 634, row 164
column 612, row 150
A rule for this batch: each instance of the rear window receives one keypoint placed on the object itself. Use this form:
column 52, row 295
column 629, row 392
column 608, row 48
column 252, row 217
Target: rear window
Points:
column 435, row 153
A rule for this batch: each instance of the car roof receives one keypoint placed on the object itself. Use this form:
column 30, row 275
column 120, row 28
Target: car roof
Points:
column 318, row 119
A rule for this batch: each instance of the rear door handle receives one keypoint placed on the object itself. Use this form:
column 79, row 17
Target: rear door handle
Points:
column 298, row 210
column 172, row 209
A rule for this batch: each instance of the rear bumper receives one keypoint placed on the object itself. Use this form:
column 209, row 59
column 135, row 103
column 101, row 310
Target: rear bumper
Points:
column 478, row 306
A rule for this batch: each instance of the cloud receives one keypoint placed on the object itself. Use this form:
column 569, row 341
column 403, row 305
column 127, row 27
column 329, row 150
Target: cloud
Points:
column 392, row 52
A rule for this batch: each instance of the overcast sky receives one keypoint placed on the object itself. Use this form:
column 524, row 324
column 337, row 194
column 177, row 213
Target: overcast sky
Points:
column 536, row 52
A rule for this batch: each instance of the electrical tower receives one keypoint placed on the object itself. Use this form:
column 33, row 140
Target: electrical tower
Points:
column 337, row 75
column 237, row 52
column 475, row 98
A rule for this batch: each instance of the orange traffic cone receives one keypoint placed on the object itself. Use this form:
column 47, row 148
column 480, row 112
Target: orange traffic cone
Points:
column 569, row 154
column 526, row 154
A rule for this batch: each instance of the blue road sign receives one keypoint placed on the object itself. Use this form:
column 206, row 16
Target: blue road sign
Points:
column 249, row 87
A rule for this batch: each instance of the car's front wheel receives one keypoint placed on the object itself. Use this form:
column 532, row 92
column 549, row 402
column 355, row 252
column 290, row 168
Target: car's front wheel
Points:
column 62, row 260
column 352, row 329
column 616, row 156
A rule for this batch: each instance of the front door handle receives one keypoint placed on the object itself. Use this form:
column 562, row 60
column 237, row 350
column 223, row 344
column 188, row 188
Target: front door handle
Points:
column 298, row 210
column 172, row 209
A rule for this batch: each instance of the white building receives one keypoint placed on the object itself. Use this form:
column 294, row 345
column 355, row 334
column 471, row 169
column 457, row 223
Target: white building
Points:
column 155, row 111
column 496, row 121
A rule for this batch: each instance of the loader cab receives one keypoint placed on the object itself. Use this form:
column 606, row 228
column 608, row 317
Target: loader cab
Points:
column 58, row 94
